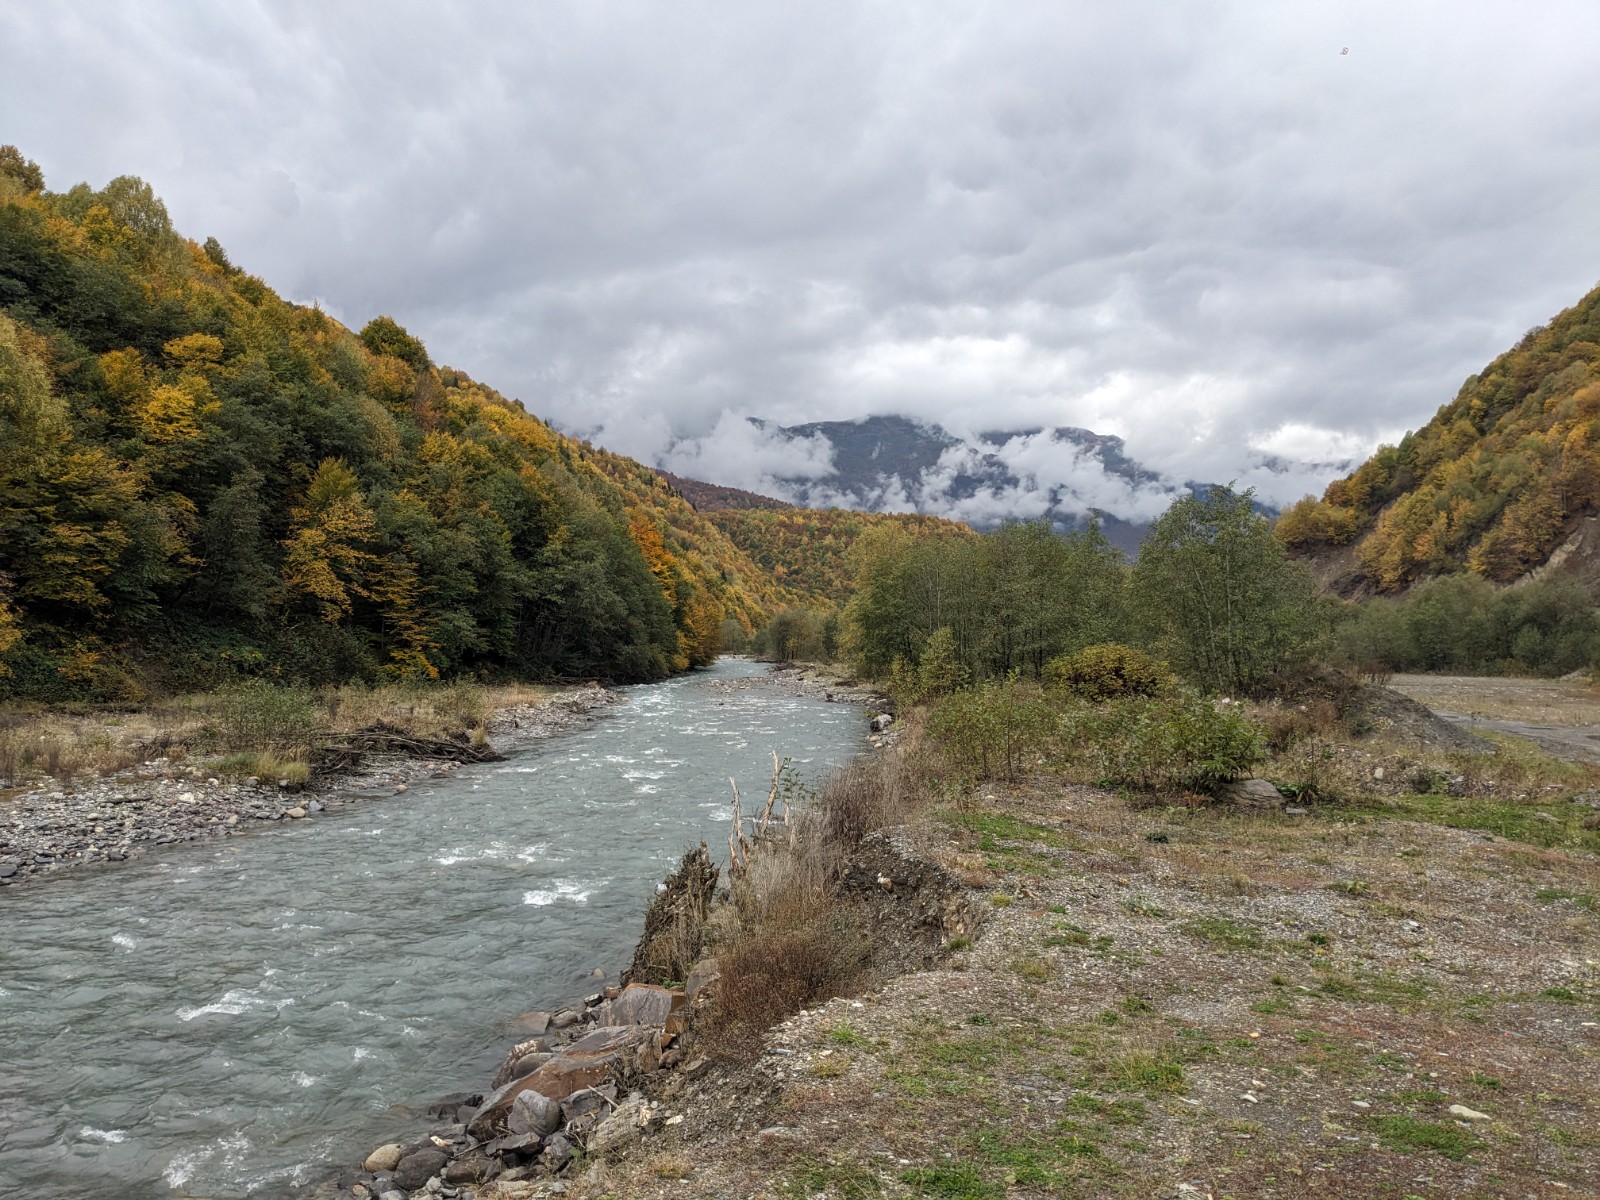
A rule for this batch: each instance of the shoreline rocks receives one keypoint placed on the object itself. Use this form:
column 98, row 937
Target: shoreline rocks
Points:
column 535, row 1125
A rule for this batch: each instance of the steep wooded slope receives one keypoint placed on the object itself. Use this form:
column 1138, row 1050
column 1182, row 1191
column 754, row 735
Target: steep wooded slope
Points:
column 1495, row 483
column 200, row 480
column 806, row 549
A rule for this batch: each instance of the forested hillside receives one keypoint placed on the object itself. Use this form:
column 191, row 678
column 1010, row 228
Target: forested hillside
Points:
column 714, row 497
column 1494, row 483
column 200, row 480
column 805, row 549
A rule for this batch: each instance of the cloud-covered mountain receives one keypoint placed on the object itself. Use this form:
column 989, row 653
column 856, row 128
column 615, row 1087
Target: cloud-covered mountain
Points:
column 894, row 464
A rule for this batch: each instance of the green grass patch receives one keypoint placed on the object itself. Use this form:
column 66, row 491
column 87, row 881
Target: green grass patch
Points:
column 846, row 1181
column 1034, row 969
column 1140, row 907
column 1401, row 1132
column 266, row 765
column 956, row 1181
column 1002, row 827
column 1153, row 1073
column 1512, row 820
column 846, row 1035
column 1108, row 1112
column 1224, row 933
column 1373, row 988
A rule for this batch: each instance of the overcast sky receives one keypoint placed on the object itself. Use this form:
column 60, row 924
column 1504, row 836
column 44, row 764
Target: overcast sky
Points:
column 1201, row 226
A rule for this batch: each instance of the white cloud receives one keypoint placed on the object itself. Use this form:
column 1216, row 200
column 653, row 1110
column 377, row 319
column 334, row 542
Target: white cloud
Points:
column 1198, row 227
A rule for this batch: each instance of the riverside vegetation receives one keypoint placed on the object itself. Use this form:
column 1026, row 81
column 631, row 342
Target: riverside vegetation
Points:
column 1042, row 945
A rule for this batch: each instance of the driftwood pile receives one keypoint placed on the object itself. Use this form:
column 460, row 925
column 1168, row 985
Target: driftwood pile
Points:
column 346, row 752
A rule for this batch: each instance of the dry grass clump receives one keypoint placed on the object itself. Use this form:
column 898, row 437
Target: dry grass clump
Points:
column 56, row 750
column 1286, row 725
column 789, row 936
column 788, row 939
column 414, row 709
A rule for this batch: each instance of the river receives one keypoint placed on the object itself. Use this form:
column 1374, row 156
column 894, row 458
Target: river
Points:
column 233, row 1019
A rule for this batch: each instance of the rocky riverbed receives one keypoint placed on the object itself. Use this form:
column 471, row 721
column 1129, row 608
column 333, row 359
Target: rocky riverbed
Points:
column 160, row 802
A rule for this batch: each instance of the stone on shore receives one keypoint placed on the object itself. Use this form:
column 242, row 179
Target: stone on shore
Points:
column 416, row 1168
column 530, row 1024
column 701, row 976
column 384, row 1158
column 639, row 1004
column 534, row 1112
column 620, row 1128
column 585, row 1063
column 558, row 1153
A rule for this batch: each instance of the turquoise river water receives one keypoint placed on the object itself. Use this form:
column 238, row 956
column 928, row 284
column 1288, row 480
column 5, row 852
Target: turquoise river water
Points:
column 231, row 1019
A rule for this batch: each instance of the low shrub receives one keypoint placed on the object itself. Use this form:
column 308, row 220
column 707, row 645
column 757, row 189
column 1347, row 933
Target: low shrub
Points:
column 995, row 731
column 260, row 715
column 937, row 672
column 1180, row 742
column 859, row 798
column 1109, row 671
column 266, row 765
column 1284, row 725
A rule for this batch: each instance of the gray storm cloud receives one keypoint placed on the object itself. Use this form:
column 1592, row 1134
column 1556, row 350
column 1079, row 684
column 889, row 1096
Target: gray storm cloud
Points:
column 1199, row 227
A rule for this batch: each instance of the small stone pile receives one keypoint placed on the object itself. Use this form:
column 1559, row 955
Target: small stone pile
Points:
column 555, row 1096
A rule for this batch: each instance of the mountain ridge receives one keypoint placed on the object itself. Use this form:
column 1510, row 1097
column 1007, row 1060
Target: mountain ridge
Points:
column 1498, row 481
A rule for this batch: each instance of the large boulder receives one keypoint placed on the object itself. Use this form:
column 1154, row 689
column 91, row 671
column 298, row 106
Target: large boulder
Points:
column 511, row 1066
column 601, row 1099
column 639, row 1004
column 534, row 1112
column 584, row 1063
column 472, row 1167
column 416, row 1168
column 620, row 1128
column 1251, row 793
column 703, row 974
column 384, row 1158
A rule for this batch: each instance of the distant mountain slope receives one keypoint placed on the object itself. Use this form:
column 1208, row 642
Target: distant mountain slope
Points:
column 1499, row 480
column 1064, row 475
column 201, row 481
column 713, row 497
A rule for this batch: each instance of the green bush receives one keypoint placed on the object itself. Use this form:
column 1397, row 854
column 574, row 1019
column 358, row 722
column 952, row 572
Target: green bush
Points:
column 260, row 715
column 937, row 673
column 993, row 731
column 1180, row 742
column 1109, row 671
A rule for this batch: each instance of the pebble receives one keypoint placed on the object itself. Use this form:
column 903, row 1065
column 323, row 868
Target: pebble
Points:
column 1462, row 1113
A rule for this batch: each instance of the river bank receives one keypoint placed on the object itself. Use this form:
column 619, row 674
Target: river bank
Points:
column 51, row 824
